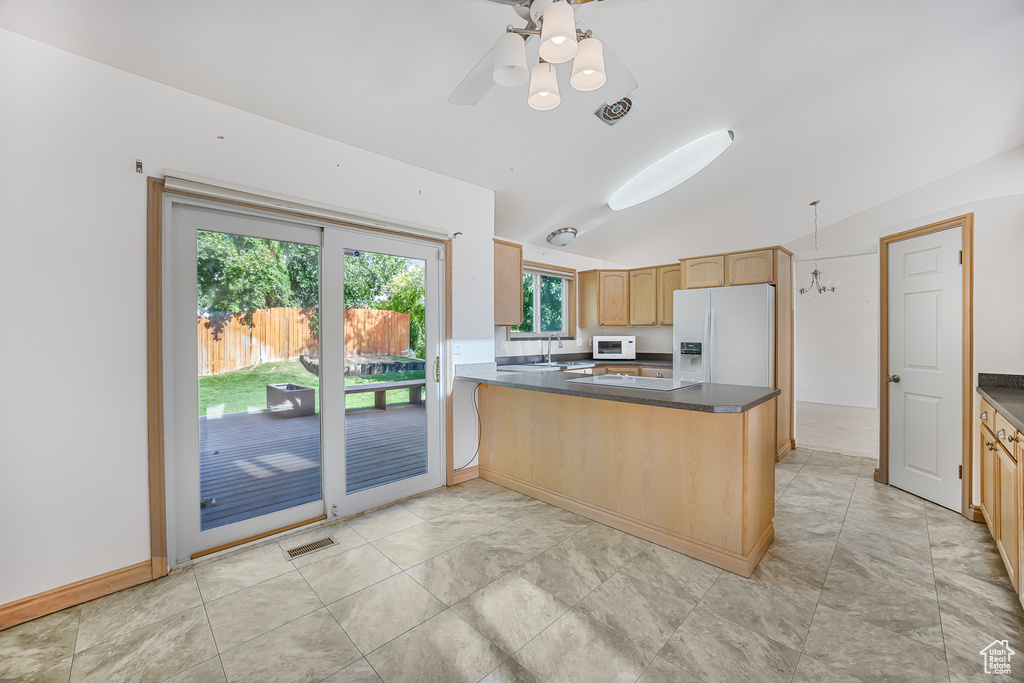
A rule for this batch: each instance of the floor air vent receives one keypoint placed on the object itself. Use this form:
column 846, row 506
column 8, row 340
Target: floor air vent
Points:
column 310, row 547
column 614, row 112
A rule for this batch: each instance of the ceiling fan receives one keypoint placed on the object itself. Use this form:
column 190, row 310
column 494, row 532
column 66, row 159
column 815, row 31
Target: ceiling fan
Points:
column 563, row 37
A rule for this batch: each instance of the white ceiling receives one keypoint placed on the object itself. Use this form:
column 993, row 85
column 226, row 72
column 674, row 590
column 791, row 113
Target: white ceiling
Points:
column 852, row 102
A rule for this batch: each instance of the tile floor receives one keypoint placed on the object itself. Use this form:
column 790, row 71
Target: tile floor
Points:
column 478, row 583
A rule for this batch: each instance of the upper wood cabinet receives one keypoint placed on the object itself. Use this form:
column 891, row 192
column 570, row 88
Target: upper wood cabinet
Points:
column 704, row 272
column 604, row 298
column 670, row 278
column 751, row 267
column 613, row 297
column 508, row 283
column 643, row 296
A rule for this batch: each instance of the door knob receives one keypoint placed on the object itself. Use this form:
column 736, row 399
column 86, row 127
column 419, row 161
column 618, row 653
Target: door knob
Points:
column 892, row 378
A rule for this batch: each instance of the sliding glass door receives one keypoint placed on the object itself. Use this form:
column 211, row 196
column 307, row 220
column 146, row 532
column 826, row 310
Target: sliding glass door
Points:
column 382, row 296
column 302, row 372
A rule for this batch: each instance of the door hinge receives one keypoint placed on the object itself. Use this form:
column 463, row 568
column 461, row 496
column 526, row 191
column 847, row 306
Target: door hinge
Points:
column 960, row 471
column 961, row 257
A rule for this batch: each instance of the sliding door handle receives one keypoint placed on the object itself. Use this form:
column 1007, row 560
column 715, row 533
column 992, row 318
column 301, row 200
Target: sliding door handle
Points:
column 437, row 369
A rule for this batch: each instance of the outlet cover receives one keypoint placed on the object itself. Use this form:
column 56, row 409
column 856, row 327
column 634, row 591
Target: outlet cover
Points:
column 457, row 351
column 579, row 341
column 501, row 344
column 804, row 387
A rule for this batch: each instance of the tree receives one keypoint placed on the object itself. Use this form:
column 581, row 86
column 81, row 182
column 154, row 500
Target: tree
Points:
column 239, row 275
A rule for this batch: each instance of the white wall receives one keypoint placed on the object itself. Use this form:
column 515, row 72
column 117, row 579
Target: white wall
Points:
column 836, row 334
column 74, row 499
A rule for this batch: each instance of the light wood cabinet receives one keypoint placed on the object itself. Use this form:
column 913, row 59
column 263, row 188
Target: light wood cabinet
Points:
column 604, row 298
column 613, row 297
column 988, row 479
column 704, row 272
column 670, row 278
column 656, row 372
column 508, row 283
column 1008, row 516
column 999, row 451
column 750, row 267
column 643, row 297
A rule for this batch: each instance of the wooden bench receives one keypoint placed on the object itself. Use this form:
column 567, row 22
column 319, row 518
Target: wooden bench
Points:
column 380, row 389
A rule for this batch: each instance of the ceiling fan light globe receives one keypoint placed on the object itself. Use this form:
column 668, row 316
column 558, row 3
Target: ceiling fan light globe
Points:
column 543, row 88
column 558, row 33
column 588, row 71
column 510, row 68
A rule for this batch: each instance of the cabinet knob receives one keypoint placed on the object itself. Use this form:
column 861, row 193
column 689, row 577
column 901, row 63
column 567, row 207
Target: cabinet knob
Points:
column 1001, row 434
column 731, row 281
column 719, row 282
column 984, row 415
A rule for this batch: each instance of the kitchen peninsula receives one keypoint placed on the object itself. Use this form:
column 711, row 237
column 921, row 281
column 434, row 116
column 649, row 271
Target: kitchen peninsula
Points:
column 691, row 469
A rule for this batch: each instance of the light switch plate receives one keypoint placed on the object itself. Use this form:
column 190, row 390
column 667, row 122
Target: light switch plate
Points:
column 458, row 350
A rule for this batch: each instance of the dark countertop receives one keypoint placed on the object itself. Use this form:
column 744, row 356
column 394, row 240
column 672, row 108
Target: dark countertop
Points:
column 1008, row 401
column 705, row 398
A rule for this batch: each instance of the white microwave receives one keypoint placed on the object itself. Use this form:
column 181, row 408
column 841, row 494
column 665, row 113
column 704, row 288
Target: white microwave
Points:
column 614, row 348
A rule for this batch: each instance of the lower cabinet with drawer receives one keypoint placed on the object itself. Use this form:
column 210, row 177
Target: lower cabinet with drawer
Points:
column 1001, row 503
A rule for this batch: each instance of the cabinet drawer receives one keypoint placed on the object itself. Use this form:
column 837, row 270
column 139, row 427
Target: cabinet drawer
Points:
column 656, row 372
column 1007, row 435
column 631, row 370
column 987, row 415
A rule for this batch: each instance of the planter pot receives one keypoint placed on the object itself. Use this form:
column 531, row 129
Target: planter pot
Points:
column 291, row 400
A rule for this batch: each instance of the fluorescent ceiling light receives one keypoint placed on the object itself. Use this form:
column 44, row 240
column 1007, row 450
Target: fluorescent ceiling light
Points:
column 671, row 170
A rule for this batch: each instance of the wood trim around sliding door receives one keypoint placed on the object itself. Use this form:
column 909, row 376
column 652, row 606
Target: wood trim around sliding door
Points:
column 966, row 225
column 155, row 376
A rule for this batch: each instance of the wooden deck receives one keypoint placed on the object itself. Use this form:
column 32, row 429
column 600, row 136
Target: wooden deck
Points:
column 256, row 463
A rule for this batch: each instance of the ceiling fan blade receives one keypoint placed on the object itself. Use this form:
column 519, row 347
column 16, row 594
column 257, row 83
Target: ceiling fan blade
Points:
column 620, row 81
column 477, row 83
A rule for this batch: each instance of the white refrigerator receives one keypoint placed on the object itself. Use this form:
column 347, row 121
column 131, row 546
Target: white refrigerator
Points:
column 724, row 335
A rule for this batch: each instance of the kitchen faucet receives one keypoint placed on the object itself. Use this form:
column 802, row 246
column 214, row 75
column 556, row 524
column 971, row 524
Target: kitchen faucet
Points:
column 555, row 335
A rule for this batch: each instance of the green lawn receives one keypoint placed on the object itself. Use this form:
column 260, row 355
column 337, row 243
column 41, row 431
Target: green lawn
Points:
column 243, row 389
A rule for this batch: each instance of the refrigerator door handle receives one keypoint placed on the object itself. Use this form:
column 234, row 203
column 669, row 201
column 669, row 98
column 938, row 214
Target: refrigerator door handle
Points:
column 709, row 341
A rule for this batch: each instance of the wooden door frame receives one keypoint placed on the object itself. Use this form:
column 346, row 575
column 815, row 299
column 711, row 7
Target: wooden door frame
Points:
column 158, row 564
column 966, row 224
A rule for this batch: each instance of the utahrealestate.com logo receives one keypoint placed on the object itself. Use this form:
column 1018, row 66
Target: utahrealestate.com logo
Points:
column 997, row 657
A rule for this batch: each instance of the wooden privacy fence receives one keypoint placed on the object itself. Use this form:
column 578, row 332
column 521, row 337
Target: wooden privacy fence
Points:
column 229, row 342
column 369, row 332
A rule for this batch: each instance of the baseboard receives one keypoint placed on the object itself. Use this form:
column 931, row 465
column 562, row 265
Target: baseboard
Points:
column 466, row 474
column 781, row 453
column 734, row 562
column 975, row 513
column 48, row 602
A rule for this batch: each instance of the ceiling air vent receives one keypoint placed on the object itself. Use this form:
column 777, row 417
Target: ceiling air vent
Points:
column 614, row 112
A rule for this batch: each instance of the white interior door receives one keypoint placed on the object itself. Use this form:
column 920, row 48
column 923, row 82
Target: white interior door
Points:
column 925, row 366
column 391, row 450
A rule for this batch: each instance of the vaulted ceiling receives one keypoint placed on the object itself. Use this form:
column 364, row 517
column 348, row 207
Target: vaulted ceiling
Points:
column 851, row 102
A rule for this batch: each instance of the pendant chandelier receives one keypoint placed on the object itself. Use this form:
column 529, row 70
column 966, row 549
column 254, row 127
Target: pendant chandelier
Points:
column 816, row 283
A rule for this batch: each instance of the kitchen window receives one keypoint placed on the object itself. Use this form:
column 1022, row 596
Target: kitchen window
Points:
column 549, row 302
